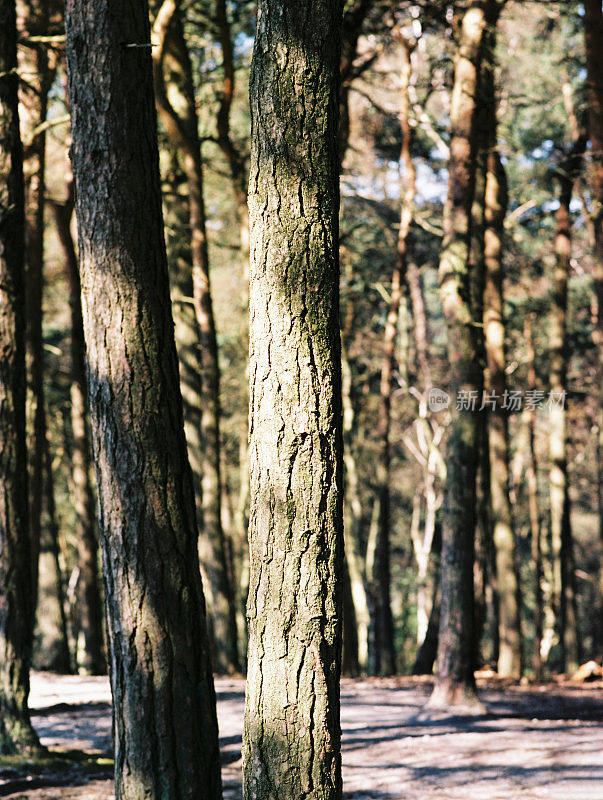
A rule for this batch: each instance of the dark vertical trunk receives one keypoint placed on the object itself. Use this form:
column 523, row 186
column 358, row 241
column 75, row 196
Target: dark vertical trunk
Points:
column 292, row 735
column 89, row 601
column 563, row 595
column 383, row 660
column 63, row 662
column 165, row 724
column 455, row 683
column 428, row 650
column 34, row 21
column 533, row 510
column 593, row 34
column 16, row 578
column 182, row 127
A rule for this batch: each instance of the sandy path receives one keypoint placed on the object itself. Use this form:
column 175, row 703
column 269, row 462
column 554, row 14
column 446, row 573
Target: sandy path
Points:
column 543, row 743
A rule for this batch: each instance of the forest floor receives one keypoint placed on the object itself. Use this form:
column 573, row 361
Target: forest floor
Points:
column 540, row 742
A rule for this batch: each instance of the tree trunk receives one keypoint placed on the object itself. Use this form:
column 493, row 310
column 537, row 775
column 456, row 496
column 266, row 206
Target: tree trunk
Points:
column 593, row 34
column 33, row 20
column 384, row 659
column 292, row 735
column 182, row 127
column 509, row 657
column 353, row 518
column 89, row 603
column 165, row 724
column 16, row 579
column 455, row 683
column 63, row 661
column 534, row 514
column 563, row 599
column 428, row 650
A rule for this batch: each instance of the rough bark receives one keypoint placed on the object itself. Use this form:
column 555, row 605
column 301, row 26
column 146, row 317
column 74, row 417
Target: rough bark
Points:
column 16, row 578
column 507, row 584
column 165, row 726
column 181, row 123
column 292, row 735
column 89, row 602
column 455, row 683
column 563, row 594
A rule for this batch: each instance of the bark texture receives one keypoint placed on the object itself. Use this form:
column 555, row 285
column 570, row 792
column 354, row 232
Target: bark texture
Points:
column 455, row 683
column 292, row 734
column 16, row 588
column 165, row 726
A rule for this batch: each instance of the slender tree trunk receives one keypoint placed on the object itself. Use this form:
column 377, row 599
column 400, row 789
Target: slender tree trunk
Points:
column 384, row 659
column 534, row 513
column 16, row 579
column 63, row 662
column 33, row 20
column 563, row 599
column 593, row 34
column 509, row 657
column 292, row 735
column 455, row 683
column 89, row 606
column 182, row 126
column 353, row 518
column 428, row 650
column 165, row 724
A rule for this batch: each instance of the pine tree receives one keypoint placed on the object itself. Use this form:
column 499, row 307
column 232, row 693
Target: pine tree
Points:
column 165, row 724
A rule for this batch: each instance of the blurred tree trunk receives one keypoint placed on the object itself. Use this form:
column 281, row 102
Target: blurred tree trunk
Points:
column 91, row 659
column 428, row 650
column 171, row 54
column 563, row 580
column 455, row 682
column 165, row 725
column 534, row 513
column 292, row 733
column 63, row 662
column 507, row 584
column 383, row 660
column 16, row 578
column 593, row 31
column 353, row 520
column 33, row 21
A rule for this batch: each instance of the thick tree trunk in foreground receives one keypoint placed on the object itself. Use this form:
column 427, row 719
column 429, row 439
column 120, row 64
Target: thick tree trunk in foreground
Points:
column 455, row 683
column 89, row 602
column 165, row 725
column 509, row 656
column 182, row 127
column 292, row 735
column 16, row 589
